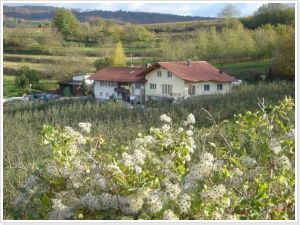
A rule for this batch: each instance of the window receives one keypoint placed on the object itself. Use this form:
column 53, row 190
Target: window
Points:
column 152, row 86
column 137, row 86
column 169, row 74
column 166, row 89
column 219, row 87
column 101, row 83
column 206, row 87
column 193, row 91
column 106, row 94
column 158, row 73
column 101, row 93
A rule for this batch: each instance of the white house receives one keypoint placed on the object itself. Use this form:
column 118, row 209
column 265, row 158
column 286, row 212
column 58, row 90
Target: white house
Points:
column 119, row 81
column 184, row 79
column 164, row 79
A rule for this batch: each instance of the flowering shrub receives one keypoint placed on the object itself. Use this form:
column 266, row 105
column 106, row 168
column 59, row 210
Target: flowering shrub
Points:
column 241, row 170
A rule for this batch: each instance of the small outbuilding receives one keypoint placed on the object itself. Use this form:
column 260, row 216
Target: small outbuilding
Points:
column 73, row 87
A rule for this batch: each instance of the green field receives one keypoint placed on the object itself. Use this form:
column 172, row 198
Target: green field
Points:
column 246, row 70
column 44, row 63
column 11, row 90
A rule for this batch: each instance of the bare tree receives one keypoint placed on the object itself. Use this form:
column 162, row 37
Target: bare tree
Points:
column 229, row 11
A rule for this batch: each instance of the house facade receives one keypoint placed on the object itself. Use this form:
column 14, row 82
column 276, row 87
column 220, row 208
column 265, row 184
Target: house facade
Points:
column 164, row 79
column 181, row 79
column 122, row 82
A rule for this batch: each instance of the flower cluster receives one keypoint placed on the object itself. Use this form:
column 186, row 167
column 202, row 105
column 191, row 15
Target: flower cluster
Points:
column 86, row 127
column 200, row 170
column 170, row 215
column 283, row 162
column 215, row 195
column 165, row 118
column 275, row 146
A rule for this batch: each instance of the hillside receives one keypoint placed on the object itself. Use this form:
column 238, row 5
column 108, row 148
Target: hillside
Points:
column 46, row 13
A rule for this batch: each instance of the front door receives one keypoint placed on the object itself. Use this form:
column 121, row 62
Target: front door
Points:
column 192, row 89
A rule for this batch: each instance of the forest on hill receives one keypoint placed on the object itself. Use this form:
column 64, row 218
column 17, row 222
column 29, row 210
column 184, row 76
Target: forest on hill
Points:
column 47, row 13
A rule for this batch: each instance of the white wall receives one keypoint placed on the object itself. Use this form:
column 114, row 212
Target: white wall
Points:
column 106, row 91
column 212, row 88
column 178, row 85
column 83, row 76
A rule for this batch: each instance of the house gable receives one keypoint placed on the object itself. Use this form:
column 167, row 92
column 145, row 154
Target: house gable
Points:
column 160, row 82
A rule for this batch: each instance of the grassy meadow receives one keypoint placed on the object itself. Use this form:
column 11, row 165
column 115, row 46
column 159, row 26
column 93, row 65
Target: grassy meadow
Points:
column 10, row 89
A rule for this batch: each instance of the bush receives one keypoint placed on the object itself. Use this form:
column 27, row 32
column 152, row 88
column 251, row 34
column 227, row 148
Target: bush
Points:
column 101, row 63
column 25, row 76
column 241, row 170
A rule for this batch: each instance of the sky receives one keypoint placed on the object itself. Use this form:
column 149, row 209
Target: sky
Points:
column 180, row 8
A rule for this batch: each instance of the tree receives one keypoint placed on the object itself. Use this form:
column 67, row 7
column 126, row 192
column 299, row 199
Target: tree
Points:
column 136, row 33
column 271, row 13
column 118, row 58
column 26, row 76
column 21, row 81
column 283, row 65
column 274, row 13
column 100, row 63
column 65, row 22
column 85, row 90
column 229, row 11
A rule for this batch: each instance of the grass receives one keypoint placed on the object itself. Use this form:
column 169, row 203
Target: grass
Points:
column 118, row 125
column 43, row 58
column 246, row 70
column 11, row 90
column 43, row 63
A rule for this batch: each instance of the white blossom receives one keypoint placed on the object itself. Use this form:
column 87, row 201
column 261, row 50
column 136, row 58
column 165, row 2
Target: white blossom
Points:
column 165, row 118
column 184, row 203
column 215, row 194
column 248, row 161
column 78, row 137
column 166, row 127
column 170, row 215
column 86, row 127
column 283, row 162
column 275, row 146
column 138, row 169
column 191, row 119
column 189, row 133
column 154, row 205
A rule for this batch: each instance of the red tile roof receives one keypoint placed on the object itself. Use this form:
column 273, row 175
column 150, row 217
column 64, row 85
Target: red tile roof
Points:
column 120, row 74
column 197, row 71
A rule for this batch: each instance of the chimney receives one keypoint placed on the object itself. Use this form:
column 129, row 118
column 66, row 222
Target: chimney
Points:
column 148, row 65
column 189, row 62
column 220, row 71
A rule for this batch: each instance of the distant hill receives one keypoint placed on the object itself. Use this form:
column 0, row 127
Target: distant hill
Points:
column 47, row 12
